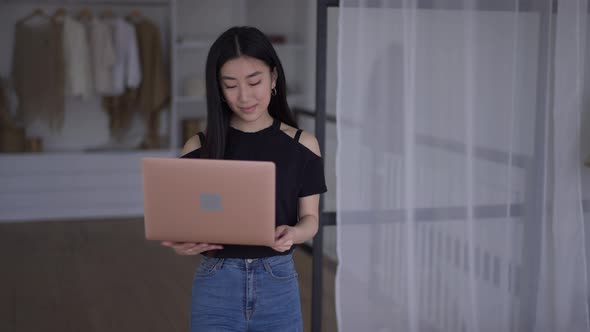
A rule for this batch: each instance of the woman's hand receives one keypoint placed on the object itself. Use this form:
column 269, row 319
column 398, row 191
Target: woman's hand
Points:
column 284, row 238
column 189, row 248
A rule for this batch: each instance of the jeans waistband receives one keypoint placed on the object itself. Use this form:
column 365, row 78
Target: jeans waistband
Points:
column 243, row 262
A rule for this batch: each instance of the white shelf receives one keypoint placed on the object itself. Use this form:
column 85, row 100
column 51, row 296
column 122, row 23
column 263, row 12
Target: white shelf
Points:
column 288, row 47
column 194, row 44
column 190, row 99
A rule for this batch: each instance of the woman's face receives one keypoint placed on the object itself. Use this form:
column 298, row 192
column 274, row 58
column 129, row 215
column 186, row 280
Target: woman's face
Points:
column 247, row 83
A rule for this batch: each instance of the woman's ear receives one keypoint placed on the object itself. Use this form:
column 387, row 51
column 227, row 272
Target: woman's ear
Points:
column 274, row 75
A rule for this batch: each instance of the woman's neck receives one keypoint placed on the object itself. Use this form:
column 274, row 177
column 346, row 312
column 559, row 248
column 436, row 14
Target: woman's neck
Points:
column 264, row 121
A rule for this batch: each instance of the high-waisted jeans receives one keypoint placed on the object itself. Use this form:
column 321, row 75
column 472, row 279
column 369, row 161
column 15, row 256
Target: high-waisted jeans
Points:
column 246, row 295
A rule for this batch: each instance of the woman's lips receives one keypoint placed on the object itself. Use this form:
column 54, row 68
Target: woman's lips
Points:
column 250, row 109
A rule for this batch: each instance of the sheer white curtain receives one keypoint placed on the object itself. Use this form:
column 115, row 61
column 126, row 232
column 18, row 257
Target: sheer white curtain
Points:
column 459, row 172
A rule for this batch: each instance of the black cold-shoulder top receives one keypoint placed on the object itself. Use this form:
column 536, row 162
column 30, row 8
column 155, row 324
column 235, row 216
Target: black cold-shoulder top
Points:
column 299, row 173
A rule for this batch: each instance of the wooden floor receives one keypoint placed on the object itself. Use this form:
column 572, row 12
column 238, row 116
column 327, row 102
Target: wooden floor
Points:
column 101, row 275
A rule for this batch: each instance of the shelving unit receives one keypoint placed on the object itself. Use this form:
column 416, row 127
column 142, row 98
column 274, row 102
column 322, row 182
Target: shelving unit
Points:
column 190, row 99
column 77, row 182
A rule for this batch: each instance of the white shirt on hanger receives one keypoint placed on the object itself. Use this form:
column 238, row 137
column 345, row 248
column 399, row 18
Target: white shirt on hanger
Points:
column 78, row 77
column 126, row 71
column 102, row 53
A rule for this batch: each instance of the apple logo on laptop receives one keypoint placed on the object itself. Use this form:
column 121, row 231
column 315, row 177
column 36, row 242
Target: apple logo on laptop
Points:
column 210, row 202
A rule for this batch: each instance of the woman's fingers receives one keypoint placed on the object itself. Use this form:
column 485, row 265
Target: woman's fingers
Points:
column 206, row 247
column 175, row 244
column 283, row 243
column 280, row 231
column 187, row 245
column 282, row 248
column 190, row 248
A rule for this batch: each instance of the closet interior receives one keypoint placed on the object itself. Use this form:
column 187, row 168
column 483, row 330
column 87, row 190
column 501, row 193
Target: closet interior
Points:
column 89, row 87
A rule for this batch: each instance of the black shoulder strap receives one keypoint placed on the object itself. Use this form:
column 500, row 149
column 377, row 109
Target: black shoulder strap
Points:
column 201, row 137
column 297, row 135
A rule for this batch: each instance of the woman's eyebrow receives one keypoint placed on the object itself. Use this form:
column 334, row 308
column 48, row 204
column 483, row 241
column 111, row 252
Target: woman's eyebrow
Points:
column 256, row 73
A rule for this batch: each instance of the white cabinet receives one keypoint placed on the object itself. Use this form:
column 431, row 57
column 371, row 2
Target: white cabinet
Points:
column 71, row 185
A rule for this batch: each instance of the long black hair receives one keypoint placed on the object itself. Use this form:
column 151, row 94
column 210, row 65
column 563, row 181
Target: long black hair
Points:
column 233, row 43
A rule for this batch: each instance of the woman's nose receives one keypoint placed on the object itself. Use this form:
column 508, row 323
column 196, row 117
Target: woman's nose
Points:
column 243, row 95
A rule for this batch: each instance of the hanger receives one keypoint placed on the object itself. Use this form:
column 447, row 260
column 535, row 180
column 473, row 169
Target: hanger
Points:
column 107, row 14
column 135, row 16
column 85, row 13
column 59, row 14
column 136, row 13
column 38, row 12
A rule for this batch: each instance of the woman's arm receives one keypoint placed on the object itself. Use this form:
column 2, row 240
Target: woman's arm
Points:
column 307, row 226
column 308, row 223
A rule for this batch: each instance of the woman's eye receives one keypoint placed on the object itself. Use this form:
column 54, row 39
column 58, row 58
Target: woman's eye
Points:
column 253, row 84
column 231, row 87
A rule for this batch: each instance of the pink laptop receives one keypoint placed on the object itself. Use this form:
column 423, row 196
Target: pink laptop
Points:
column 211, row 201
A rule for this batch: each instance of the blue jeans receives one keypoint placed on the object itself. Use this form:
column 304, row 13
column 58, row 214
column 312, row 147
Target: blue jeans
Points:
column 246, row 295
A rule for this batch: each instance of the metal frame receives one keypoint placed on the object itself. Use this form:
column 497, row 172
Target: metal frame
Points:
column 320, row 132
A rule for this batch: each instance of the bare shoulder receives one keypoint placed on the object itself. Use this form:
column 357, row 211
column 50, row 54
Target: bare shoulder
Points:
column 311, row 142
column 191, row 144
column 307, row 139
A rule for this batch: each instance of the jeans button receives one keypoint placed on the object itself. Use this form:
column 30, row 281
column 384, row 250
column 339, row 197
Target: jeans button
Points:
column 249, row 260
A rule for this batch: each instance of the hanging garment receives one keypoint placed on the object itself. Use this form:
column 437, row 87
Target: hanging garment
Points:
column 126, row 72
column 5, row 118
column 126, row 77
column 119, row 109
column 38, row 72
column 78, row 78
column 101, row 54
column 12, row 138
column 154, row 91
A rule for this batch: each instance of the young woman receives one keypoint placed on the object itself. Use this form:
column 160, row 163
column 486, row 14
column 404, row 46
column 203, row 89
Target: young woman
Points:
column 252, row 288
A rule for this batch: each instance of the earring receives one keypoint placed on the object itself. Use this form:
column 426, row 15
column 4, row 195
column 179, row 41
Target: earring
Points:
column 274, row 91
